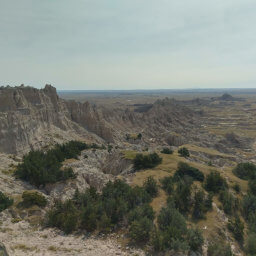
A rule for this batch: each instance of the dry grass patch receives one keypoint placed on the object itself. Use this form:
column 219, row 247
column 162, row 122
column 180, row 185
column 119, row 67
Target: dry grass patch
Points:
column 23, row 247
column 129, row 154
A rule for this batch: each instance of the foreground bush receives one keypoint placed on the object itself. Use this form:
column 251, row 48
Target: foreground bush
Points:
column 202, row 204
column 140, row 230
column 236, row 226
column 118, row 203
column 184, row 152
column 33, row 198
column 63, row 216
column 173, row 234
column 215, row 183
column 122, row 206
column 167, row 184
column 186, row 170
column 146, row 161
column 182, row 195
column 249, row 205
column 5, row 201
column 252, row 186
column 219, row 248
column 230, row 203
column 167, row 151
column 151, row 187
column 245, row 171
column 40, row 168
column 250, row 245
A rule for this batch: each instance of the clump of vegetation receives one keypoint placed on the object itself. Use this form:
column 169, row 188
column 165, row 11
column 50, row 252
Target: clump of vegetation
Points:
column 117, row 203
column 184, row 152
column 236, row 226
column 140, row 230
column 250, row 245
column 182, row 196
column 249, row 205
column 64, row 216
column 133, row 136
column 5, row 201
column 237, row 188
column 167, row 151
column 215, row 183
column 230, row 203
column 120, row 205
column 33, row 198
column 219, row 248
column 252, row 186
column 173, row 234
column 186, row 170
column 245, row 171
column 202, row 204
column 39, row 167
column 110, row 147
column 151, row 187
column 167, row 184
column 146, row 161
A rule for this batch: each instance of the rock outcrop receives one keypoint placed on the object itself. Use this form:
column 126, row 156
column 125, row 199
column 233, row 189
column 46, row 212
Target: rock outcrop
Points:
column 31, row 118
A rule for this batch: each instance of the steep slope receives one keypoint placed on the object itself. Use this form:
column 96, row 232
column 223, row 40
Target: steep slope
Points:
column 31, row 118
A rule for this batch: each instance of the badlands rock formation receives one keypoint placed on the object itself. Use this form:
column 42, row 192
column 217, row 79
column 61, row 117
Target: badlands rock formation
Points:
column 31, row 118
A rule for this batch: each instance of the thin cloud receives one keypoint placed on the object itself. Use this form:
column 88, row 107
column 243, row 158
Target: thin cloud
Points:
column 128, row 44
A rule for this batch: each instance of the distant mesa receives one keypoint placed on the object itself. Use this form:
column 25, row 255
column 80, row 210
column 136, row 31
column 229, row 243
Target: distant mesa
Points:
column 227, row 96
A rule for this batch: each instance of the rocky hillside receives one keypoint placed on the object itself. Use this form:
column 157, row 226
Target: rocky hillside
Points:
column 32, row 118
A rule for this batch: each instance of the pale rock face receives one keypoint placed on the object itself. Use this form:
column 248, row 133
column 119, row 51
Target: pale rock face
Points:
column 28, row 117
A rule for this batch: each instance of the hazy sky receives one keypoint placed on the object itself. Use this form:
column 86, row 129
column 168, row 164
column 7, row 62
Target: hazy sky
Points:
column 128, row 44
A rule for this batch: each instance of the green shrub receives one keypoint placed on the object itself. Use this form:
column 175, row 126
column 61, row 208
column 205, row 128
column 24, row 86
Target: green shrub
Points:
column 186, row 170
column 182, row 196
column 104, row 223
column 167, row 151
column 250, row 245
column 144, row 210
column 139, row 136
column 215, row 183
column 5, row 201
column 167, row 184
column 195, row 240
column 150, row 186
column 245, row 171
column 184, row 152
column 140, row 230
column 146, row 161
column 252, row 222
column 173, row 234
column 219, row 248
column 118, row 204
column 229, row 202
column 202, row 204
column 252, row 186
column 237, row 188
column 110, row 147
column 249, row 205
column 208, row 201
column 40, row 168
column 172, row 230
column 236, row 226
column 33, row 198
column 64, row 216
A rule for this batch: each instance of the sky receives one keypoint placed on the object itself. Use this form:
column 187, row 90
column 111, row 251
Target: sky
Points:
column 128, row 44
